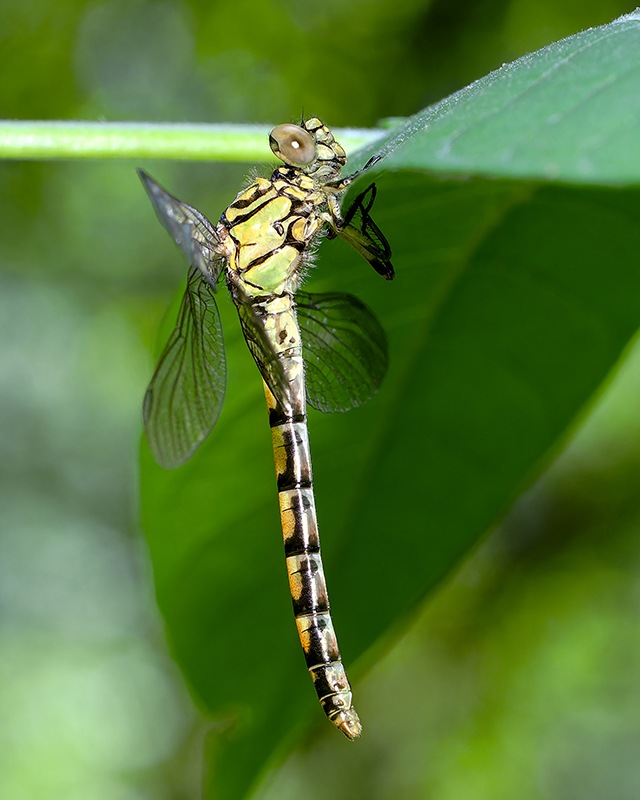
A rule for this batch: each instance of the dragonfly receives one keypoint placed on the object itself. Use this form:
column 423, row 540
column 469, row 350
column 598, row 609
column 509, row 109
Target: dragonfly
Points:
column 327, row 350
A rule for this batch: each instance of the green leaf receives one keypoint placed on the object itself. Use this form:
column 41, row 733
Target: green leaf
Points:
column 569, row 112
column 517, row 290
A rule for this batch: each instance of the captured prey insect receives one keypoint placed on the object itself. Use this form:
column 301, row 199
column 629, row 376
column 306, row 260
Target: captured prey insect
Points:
column 327, row 349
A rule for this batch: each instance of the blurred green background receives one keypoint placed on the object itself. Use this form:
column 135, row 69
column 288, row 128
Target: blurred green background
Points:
column 528, row 656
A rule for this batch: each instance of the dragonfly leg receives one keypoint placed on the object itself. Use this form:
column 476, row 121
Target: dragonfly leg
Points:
column 343, row 183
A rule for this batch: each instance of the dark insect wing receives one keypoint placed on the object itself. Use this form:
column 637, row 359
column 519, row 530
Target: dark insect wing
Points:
column 190, row 230
column 362, row 233
column 185, row 395
column 344, row 348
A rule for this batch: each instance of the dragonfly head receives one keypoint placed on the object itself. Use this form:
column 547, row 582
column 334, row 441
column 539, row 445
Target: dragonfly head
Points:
column 310, row 147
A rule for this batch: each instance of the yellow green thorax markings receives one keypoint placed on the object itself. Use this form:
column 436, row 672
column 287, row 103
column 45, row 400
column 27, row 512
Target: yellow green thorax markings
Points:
column 328, row 349
column 269, row 227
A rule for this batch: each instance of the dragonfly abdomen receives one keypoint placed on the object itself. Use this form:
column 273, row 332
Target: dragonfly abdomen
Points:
column 306, row 574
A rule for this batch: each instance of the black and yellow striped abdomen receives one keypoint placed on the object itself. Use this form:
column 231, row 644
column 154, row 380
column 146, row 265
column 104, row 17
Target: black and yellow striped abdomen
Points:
column 288, row 421
column 306, row 574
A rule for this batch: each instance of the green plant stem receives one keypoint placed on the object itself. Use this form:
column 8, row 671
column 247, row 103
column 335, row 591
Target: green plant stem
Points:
column 26, row 139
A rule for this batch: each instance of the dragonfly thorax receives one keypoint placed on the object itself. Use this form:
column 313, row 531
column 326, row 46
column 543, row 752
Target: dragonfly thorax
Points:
column 268, row 231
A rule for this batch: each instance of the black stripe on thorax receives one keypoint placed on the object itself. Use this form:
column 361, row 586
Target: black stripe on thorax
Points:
column 294, row 243
column 229, row 224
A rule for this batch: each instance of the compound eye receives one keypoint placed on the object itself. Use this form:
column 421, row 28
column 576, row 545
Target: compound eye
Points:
column 293, row 145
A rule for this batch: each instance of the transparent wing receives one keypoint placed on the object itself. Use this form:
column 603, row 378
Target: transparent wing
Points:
column 190, row 230
column 344, row 348
column 252, row 320
column 185, row 395
column 362, row 233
